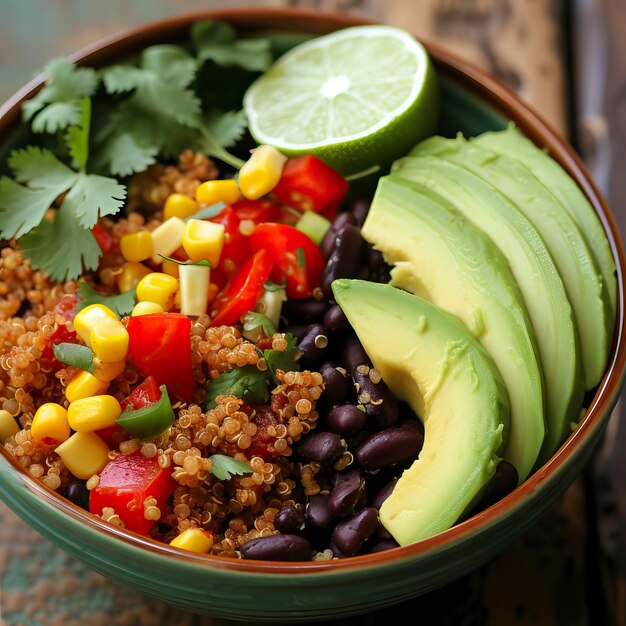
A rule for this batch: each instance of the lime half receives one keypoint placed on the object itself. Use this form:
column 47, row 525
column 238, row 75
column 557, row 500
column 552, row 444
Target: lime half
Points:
column 359, row 97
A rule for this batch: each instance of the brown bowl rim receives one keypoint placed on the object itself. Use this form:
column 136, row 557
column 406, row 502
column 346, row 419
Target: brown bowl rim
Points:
column 480, row 84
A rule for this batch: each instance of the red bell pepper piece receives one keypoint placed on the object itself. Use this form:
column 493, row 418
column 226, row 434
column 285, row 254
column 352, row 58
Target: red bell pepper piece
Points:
column 103, row 237
column 309, row 184
column 236, row 249
column 145, row 393
column 297, row 259
column 243, row 291
column 125, row 482
column 261, row 210
column 160, row 345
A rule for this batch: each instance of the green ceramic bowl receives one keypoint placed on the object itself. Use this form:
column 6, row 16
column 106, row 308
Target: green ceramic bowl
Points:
column 312, row 591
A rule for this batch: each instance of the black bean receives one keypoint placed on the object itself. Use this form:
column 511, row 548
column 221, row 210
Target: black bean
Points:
column 372, row 392
column 377, row 268
column 337, row 385
column 335, row 320
column 349, row 494
column 304, row 310
column 360, row 210
column 290, row 521
column 353, row 354
column 277, row 548
column 318, row 512
column 389, row 447
column 298, row 330
column 313, row 346
column 77, row 492
column 383, row 494
column 328, row 242
column 346, row 259
column 323, row 447
column 346, row 419
column 503, row 482
column 381, row 545
column 350, row 534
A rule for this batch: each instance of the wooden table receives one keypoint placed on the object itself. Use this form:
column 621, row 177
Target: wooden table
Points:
column 552, row 575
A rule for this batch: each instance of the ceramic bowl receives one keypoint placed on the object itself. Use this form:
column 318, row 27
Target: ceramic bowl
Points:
column 311, row 591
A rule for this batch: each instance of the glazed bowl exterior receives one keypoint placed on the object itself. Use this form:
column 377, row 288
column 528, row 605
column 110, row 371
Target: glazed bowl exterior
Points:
column 472, row 102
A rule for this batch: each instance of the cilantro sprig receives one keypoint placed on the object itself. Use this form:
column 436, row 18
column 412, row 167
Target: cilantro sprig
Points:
column 121, row 304
column 225, row 467
column 75, row 355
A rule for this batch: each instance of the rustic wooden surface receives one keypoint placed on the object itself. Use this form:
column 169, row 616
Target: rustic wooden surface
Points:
column 542, row 579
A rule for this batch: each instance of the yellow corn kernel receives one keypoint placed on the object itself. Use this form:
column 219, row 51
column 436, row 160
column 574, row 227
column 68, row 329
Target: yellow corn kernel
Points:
column 85, row 385
column 179, row 205
column 147, row 308
column 213, row 191
column 166, row 238
column 203, row 240
column 84, row 454
column 88, row 414
column 86, row 319
column 137, row 246
column 50, row 425
column 109, row 340
column 157, row 287
column 261, row 172
column 8, row 426
column 108, row 371
column 195, row 540
column 170, row 267
column 130, row 275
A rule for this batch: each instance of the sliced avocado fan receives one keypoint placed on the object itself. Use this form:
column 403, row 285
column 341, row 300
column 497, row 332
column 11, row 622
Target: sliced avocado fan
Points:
column 514, row 144
column 440, row 256
column 433, row 362
column 535, row 272
column 576, row 266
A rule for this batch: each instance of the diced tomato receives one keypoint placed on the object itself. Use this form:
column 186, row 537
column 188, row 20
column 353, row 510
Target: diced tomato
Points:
column 296, row 258
column 112, row 435
column 309, row 184
column 125, row 483
column 145, row 393
column 160, row 346
column 60, row 335
column 262, row 442
column 243, row 291
column 103, row 237
column 66, row 306
column 236, row 250
column 262, row 210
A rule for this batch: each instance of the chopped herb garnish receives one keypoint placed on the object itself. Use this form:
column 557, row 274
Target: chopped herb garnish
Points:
column 207, row 212
column 248, row 383
column 225, row 467
column 253, row 320
column 122, row 304
column 300, row 257
column 202, row 262
column 283, row 360
column 75, row 355
column 271, row 286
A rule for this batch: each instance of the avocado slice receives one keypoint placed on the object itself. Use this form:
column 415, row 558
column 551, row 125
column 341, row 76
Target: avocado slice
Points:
column 583, row 284
column 442, row 257
column 512, row 142
column 433, row 362
column 534, row 270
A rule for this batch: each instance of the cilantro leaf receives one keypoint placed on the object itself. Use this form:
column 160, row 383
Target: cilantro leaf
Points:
column 226, row 128
column 208, row 144
column 22, row 207
column 77, row 137
column 253, row 320
column 224, row 467
column 122, row 154
column 57, row 105
column 248, row 383
column 61, row 247
column 121, row 304
column 217, row 41
column 75, row 355
column 285, row 360
column 93, row 196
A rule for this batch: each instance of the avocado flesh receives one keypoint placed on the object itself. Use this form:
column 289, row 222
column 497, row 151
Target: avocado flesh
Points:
column 534, row 270
column 566, row 244
column 429, row 359
column 512, row 142
column 440, row 256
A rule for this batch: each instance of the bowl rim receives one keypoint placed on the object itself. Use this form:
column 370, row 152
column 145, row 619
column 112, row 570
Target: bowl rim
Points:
column 480, row 84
